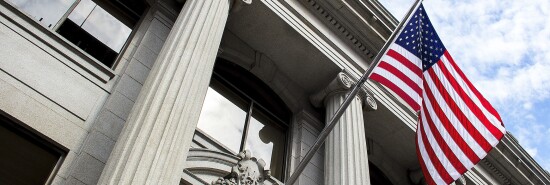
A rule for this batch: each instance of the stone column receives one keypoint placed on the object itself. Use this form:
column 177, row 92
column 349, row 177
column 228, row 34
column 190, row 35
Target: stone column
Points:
column 153, row 145
column 346, row 159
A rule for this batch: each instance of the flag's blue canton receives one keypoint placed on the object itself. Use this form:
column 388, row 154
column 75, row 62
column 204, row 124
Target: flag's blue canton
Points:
column 419, row 38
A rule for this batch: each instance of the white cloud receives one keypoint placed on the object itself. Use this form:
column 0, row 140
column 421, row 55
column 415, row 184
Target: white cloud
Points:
column 531, row 151
column 503, row 46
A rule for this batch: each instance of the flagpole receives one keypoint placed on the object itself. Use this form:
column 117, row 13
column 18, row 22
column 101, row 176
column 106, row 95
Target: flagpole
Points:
column 330, row 125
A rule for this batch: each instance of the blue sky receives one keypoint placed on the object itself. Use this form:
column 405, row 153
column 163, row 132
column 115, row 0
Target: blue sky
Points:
column 503, row 46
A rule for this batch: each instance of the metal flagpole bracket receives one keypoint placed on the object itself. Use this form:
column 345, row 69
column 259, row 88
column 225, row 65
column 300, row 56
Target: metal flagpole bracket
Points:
column 332, row 123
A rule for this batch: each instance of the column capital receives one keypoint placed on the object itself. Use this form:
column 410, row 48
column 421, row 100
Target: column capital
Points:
column 342, row 84
column 370, row 102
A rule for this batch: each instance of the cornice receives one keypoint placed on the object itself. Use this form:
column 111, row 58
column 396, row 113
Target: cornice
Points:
column 365, row 48
column 365, row 28
column 513, row 150
column 496, row 171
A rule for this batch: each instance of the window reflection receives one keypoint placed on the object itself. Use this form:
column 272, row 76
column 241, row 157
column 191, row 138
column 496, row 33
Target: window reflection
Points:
column 100, row 24
column 81, row 11
column 84, row 23
column 266, row 141
column 236, row 121
column 47, row 12
column 95, row 31
column 223, row 119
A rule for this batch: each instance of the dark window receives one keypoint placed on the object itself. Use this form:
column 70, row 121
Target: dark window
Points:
column 242, row 113
column 99, row 27
column 25, row 158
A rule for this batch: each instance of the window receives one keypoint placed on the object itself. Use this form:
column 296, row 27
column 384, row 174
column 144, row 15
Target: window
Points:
column 26, row 158
column 88, row 24
column 240, row 116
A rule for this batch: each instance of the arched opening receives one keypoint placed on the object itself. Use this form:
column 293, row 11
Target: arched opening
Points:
column 239, row 113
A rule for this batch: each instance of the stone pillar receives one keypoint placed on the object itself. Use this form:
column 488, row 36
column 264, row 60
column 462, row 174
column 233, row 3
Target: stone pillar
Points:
column 346, row 159
column 153, row 145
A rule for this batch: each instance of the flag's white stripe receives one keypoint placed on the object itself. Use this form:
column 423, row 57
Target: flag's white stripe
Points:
column 404, row 69
column 468, row 91
column 438, row 151
column 463, row 106
column 472, row 143
column 400, row 84
column 446, row 136
column 407, row 54
column 427, row 162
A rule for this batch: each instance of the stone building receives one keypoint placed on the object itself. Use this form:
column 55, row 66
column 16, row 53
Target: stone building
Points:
column 168, row 92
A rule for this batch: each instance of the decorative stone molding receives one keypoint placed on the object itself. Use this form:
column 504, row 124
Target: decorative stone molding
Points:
column 370, row 102
column 496, row 171
column 362, row 46
column 341, row 83
column 248, row 170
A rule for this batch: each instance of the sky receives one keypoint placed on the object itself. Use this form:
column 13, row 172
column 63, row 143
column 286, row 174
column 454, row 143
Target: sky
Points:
column 503, row 46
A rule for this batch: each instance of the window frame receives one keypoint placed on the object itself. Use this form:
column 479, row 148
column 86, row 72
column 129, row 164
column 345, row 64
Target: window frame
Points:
column 254, row 105
column 37, row 138
column 117, row 13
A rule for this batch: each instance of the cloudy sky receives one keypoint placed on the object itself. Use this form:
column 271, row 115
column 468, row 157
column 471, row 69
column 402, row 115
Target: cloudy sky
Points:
column 503, row 46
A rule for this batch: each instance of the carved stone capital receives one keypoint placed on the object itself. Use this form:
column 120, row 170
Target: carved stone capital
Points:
column 248, row 170
column 370, row 102
column 340, row 84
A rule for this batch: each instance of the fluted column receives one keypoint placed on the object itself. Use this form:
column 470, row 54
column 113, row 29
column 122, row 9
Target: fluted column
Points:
column 346, row 159
column 153, row 145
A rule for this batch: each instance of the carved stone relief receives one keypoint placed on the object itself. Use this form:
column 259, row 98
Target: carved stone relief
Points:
column 343, row 83
column 248, row 170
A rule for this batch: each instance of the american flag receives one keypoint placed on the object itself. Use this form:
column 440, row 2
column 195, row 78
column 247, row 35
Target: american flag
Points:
column 457, row 126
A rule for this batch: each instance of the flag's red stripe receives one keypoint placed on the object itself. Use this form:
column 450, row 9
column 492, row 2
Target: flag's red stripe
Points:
column 462, row 118
column 448, row 126
column 471, row 105
column 443, row 144
column 397, row 90
column 406, row 62
column 443, row 173
column 401, row 76
column 427, row 176
column 483, row 101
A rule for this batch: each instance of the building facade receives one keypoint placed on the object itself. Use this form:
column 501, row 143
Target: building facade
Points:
column 202, row 91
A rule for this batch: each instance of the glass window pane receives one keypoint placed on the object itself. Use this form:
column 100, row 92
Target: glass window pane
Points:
column 81, row 11
column 100, row 24
column 266, row 141
column 47, row 12
column 223, row 116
